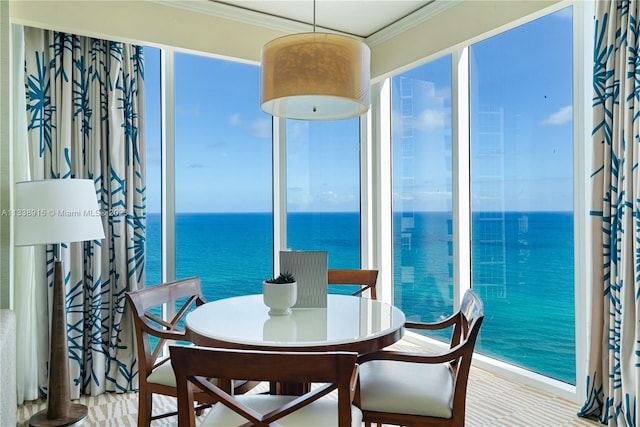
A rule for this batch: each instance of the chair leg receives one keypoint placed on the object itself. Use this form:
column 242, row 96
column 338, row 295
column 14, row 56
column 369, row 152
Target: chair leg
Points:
column 145, row 407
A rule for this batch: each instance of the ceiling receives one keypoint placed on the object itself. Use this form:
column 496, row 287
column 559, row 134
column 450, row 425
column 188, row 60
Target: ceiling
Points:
column 360, row 18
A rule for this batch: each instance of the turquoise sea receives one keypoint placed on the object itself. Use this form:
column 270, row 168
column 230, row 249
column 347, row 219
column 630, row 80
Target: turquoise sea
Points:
column 522, row 267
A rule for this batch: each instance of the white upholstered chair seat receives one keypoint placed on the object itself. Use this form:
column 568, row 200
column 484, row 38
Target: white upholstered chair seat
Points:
column 406, row 388
column 163, row 374
column 321, row 413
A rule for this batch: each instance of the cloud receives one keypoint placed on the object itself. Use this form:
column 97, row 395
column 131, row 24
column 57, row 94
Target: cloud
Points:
column 564, row 115
column 442, row 92
column 430, row 119
column 234, row 120
column 260, row 128
column 333, row 197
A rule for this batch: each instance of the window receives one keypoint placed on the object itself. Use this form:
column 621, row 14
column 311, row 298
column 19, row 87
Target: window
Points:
column 323, row 189
column 521, row 193
column 522, row 177
column 153, row 263
column 422, row 203
column 223, row 177
column 521, row 188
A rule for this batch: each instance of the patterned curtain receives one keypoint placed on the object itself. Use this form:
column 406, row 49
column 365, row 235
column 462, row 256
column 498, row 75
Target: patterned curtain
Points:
column 84, row 100
column 613, row 369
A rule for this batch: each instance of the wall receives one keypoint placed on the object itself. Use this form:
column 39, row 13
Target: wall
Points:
column 146, row 22
column 5, row 155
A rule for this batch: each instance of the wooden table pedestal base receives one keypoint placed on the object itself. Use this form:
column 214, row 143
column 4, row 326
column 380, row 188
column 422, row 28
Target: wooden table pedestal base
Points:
column 77, row 412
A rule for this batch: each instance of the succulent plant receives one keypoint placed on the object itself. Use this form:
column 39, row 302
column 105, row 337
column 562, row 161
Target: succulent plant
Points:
column 285, row 277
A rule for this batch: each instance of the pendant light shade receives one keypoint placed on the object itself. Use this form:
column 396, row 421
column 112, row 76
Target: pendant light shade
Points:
column 315, row 76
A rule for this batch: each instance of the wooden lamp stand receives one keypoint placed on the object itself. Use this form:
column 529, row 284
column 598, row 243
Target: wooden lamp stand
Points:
column 60, row 411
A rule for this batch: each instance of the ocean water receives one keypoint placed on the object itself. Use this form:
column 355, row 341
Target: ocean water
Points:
column 522, row 267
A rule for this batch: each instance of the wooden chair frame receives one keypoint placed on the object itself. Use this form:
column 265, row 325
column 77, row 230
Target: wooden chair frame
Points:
column 337, row 370
column 149, row 325
column 466, row 327
column 366, row 279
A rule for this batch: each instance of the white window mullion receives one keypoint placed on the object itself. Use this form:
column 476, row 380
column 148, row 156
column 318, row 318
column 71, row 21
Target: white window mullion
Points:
column 461, row 175
column 376, row 207
column 583, row 13
column 168, row 176
column 367, row 198
column 279, row 190
column 168, row 193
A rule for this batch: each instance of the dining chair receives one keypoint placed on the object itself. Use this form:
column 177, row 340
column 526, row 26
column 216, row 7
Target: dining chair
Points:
column 366, row 279
column 329, row 371
column 418, row 389
column 155, row 373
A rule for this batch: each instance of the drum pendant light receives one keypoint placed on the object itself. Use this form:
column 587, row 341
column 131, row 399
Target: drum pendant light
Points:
column 315, row 76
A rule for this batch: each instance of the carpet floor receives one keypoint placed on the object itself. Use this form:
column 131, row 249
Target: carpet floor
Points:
column 492, row 401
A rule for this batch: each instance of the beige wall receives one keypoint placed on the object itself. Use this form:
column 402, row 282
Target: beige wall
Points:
column 152, row 23
column 146, row 22
column 5, row 155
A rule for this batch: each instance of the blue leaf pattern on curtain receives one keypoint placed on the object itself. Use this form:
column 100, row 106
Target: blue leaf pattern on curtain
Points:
column 613, row 380
column 85, row 107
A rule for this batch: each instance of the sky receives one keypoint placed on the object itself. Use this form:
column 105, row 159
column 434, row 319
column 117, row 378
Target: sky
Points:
column 521, row 133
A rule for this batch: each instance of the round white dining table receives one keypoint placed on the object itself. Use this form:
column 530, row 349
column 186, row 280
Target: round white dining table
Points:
column 348, row 323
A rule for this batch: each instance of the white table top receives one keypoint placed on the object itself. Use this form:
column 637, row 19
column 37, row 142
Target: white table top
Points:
column 348, row 323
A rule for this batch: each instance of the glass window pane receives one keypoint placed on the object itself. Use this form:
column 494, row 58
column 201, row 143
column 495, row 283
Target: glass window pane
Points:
column 153, row 263
column 522, row 192
column 223, row 177
column 422, row 203
column 323, row 189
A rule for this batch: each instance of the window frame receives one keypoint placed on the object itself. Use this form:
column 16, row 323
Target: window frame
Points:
column 376, row 194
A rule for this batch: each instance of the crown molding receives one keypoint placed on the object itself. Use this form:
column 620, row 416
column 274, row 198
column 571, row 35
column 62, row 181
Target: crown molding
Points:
column 246, row 16
column 425, row 13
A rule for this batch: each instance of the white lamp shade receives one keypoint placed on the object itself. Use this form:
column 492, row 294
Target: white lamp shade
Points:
column 315, row 76
column 54, row 211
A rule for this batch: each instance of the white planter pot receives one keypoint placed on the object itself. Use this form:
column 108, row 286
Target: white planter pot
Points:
column 280, row 297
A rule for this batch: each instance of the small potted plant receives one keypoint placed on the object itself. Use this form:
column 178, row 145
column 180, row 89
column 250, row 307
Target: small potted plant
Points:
column 280, row 294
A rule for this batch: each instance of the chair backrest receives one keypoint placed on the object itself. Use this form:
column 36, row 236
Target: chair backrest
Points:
column 465, row 333
column 192, row 365
column 366, row 279
column 185, row 293
column 466, row 321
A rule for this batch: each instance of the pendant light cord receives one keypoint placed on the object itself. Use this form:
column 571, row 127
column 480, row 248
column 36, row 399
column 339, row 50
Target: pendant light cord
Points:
column 314, row 16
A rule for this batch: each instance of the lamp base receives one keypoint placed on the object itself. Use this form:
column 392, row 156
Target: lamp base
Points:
column 76, row 413
column 60, row 411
